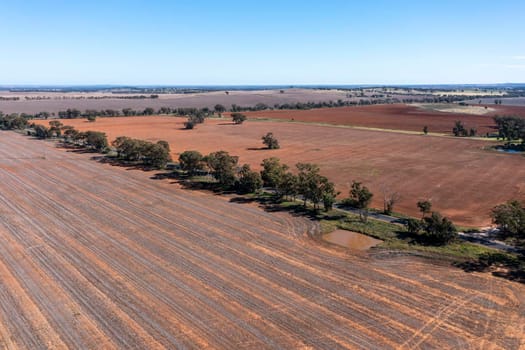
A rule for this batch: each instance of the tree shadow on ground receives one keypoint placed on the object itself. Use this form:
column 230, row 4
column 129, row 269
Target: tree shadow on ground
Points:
column 75, row 148
column 257, row 148
column 273, row 204
column 498, row 264
column 122, row 163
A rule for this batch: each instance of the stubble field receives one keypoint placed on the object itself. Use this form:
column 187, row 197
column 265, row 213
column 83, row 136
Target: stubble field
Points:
column 462, row 180
column 95, row 256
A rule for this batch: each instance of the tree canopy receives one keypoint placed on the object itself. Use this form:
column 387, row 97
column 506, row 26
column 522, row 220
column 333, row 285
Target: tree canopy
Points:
column 270, row 141
column 191, row 161
column 223, row 165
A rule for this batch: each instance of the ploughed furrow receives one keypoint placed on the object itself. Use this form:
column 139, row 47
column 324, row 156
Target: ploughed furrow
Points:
column 321, row 294
column 95, row 256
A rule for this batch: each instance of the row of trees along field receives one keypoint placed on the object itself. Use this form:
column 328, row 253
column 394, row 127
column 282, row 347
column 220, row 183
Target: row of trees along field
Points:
column 310, row 186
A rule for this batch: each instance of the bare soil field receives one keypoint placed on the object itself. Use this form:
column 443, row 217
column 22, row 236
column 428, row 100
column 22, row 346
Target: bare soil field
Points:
column 507, row 101
column 63, row 101
column 95, row 256
column 462, row 180
column 394, row 116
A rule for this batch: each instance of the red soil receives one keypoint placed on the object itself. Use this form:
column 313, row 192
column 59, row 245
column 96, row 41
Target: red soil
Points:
column 98, row 257
column 397, row 116
column 463, row 180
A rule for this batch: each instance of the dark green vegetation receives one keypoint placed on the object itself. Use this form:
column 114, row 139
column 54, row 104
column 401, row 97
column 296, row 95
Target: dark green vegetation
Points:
column 13, row 121
column 510, row 217
column 238, row 118
column 155, row 155
column 196, row 117
column 270, row 141
column 460, row 130
column 191, row 161
column 360, row 198
column 511, row 129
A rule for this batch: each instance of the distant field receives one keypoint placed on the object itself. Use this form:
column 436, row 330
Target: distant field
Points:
column 509, row 101
column 457, row 92
column 462, row 180
column 62, row 101
column 395, row 116
column 456, row 108
column 101, row 257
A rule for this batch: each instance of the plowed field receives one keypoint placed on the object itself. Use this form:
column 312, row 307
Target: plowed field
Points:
column 99, row 257
column 460, row 178
column 397, row 116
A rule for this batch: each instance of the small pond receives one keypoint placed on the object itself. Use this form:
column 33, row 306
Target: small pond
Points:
column 508, row 150
column 351, row 240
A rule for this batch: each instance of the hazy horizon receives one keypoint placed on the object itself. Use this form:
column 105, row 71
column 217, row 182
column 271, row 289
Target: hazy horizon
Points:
column 237, row 43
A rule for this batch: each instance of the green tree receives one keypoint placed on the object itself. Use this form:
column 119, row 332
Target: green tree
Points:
column 459, row 129
column 191, row 161
column 42, row 132
column 510, row 217
column 148, row 111
column 308, row 182
column 96, row 140
column 70, row 133
column 238, row 118
column 315, row 187
column 439, row 230
column 424, row 207
column 288, row 186
column 55, row 128
column 413, row 226
column 361, row 197
column 219, row 108
column 164, row 144
column 270, row 141
column 510, row 128
column 249, row 181
column 328, row 193
column 189, row 124
column 223, row 166
column 272, row 171
column 155, row 155
column 128, row 148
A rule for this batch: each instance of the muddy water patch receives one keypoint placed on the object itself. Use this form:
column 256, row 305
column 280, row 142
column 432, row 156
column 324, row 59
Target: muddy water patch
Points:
column 351, row 240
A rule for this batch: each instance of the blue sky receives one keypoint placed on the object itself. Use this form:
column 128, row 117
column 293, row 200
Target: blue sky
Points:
column 261, row 42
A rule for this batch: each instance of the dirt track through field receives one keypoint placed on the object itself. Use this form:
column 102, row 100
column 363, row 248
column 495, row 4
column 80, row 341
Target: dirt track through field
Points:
column 94, row 256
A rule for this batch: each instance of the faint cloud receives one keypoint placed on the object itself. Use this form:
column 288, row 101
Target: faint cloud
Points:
column 515, row 66
column 519, row 58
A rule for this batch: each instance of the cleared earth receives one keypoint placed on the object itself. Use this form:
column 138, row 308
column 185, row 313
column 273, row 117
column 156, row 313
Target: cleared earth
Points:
column 395, row 116
column 462, row 180
column 95, row 256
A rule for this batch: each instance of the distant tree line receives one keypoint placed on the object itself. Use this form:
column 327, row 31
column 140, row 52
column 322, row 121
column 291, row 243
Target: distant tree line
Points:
column 129, row 97
column 93, row 140
column 13, row 121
